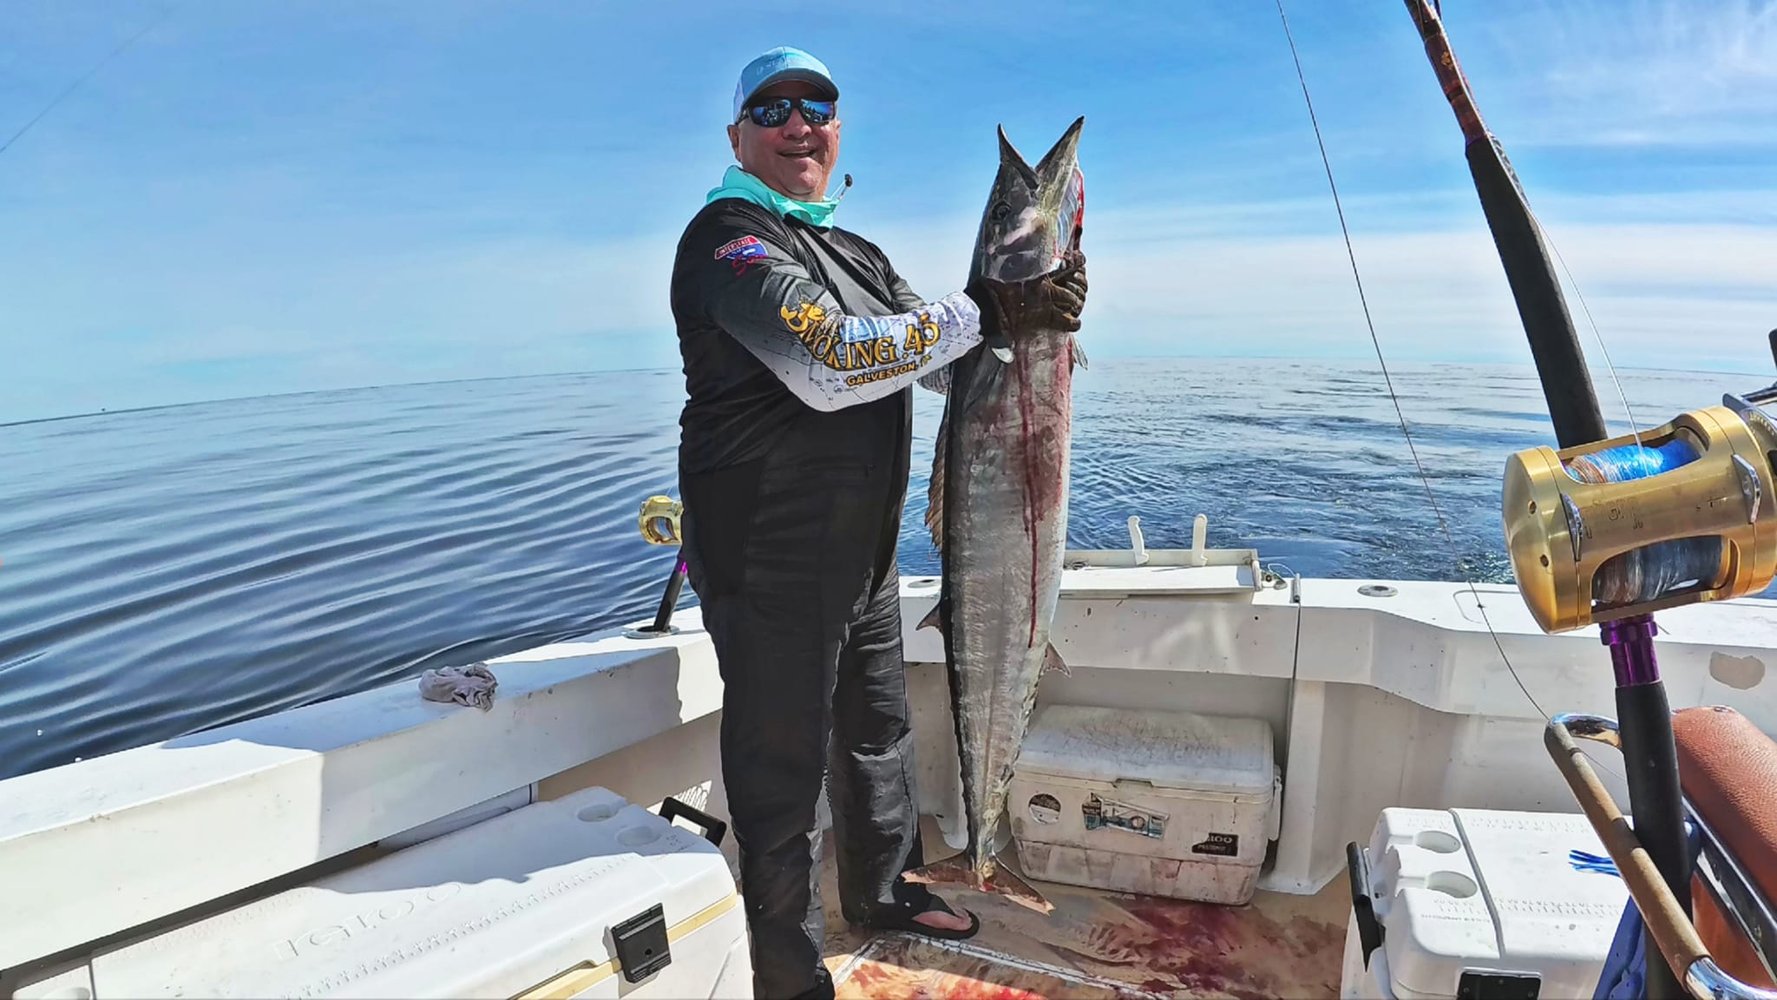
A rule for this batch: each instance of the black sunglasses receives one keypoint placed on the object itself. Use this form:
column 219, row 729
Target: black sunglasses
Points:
column 774, row 111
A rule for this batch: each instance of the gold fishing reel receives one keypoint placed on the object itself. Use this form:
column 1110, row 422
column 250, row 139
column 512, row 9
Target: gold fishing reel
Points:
column 1626, row 527
column 659, row 520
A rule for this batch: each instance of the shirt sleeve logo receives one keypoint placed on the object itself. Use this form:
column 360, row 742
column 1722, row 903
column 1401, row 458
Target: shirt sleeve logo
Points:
column 742, row 254
column 803, row 318
column 741, row 249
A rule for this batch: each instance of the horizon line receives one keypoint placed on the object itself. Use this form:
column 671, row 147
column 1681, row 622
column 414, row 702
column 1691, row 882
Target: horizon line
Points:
column 1121, row 359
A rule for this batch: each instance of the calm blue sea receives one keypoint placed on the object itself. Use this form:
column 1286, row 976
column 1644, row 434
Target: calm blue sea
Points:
column 169, row 570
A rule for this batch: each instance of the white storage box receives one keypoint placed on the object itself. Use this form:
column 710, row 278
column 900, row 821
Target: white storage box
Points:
column 1480, row 903
column 531, row 903
column 1159, row 803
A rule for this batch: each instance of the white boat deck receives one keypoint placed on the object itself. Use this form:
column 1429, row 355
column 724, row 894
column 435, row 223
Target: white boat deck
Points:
column 1375, row 701
column 1102, row 945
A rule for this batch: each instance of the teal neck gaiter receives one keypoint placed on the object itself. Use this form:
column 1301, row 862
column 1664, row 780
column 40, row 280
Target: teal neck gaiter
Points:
column 737, row 183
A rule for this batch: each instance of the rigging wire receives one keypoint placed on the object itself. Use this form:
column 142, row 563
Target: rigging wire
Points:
column 1425, row 479
column 72, row 87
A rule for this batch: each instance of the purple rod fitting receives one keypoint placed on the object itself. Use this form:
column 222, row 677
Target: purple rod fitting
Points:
column 1631, row 642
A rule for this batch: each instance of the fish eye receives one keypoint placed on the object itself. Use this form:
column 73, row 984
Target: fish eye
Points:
column 999, row 211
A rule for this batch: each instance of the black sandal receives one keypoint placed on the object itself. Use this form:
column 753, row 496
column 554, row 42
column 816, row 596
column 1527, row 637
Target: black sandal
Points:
column 901, row 918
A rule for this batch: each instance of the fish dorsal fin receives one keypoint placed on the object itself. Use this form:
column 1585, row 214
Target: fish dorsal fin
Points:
column 935, row 489
column 970, row 384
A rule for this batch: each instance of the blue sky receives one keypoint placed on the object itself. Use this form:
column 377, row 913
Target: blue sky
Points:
column 277, row 196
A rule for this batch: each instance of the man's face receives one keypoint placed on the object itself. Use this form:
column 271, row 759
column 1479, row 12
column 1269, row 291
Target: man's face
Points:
column 794, row 159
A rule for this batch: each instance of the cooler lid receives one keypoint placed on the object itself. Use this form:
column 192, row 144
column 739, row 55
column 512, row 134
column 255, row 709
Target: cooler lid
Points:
column 489, row 910
column 1179, row 750
column 1493, row 892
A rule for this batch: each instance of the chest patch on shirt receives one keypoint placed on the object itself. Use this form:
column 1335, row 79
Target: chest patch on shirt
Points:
column 741, row 249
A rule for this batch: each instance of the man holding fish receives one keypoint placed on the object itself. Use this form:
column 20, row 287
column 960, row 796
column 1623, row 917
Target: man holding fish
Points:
column 800, row 346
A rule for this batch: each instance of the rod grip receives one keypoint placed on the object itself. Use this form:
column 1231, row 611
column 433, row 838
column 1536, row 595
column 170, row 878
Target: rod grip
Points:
column 1650, row 763
column 1674, row 938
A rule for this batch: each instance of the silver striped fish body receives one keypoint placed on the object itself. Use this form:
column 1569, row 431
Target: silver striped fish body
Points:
column 998, row 502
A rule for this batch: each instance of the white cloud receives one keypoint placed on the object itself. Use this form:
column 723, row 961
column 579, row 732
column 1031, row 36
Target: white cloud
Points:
column 1663, row 295
column 1638, row 72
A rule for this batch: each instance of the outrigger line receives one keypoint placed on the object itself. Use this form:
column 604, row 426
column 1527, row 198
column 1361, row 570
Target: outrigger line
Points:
column 1646, row 731
column 1424, row 478
column 72, row 87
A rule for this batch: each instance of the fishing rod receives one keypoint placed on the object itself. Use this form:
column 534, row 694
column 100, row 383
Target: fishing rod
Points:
column 659, row 521
column 1608, row 531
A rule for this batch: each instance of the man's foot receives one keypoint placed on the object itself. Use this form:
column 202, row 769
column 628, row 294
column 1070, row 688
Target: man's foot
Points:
column 936, row 920
column 946, row 920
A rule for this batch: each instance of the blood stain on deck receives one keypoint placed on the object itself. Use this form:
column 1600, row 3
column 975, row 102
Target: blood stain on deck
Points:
column 901, row 967
column 1209, row 950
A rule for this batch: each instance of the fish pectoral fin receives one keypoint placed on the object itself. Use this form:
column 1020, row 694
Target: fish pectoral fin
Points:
column 1079, row 353
column 935, row 488
column 1052, row 661
column 934, row 618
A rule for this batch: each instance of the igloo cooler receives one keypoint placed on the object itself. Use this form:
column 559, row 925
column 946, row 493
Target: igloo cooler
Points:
column 1160, row 803
column 1475, row 902
column 583, row 896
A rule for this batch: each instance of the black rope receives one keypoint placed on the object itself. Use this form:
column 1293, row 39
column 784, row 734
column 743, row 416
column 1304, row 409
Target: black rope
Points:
column 59, row 98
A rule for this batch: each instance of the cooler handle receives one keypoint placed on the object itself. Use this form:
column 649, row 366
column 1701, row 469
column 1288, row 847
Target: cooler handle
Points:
column 713, row 828
column 1357, row 869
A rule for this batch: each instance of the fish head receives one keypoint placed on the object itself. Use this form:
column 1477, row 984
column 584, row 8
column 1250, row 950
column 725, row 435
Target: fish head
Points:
column 1033, row 214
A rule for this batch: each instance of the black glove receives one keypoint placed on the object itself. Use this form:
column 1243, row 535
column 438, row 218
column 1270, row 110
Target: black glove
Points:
column 1048, row 301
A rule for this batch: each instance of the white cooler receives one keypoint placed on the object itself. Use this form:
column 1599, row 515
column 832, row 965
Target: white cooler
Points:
column 1158, row 803
column 1473, row 902
column 584, row 896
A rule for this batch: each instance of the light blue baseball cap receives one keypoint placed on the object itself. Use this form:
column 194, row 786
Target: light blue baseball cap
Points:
column 777, row 65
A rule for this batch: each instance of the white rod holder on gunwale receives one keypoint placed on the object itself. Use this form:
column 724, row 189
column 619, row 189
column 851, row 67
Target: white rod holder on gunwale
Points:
column 1136, row 542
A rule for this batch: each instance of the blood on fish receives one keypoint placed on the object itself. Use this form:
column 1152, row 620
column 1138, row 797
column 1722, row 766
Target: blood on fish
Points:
column 1040, row 459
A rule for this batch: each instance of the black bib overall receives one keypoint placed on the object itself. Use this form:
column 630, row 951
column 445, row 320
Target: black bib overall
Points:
column 792, row 510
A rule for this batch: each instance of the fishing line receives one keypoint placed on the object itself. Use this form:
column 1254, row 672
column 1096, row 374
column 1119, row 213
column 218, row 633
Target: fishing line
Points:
column 1645, row 573
column 59, row 98
column 1597, row 334
column 1388, row 380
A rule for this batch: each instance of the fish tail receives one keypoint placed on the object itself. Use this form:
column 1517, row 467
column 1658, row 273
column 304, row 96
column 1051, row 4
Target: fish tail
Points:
column 995, row 880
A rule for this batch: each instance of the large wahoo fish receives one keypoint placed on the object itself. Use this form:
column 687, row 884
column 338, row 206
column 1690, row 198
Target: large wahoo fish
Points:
column 997, row 507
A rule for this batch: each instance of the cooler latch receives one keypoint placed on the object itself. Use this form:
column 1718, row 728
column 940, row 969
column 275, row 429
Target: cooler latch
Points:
column 640, row 944
column 1498, row 986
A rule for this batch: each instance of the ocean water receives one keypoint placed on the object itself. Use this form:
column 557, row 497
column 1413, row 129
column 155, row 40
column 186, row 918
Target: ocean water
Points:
column 169, row 570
